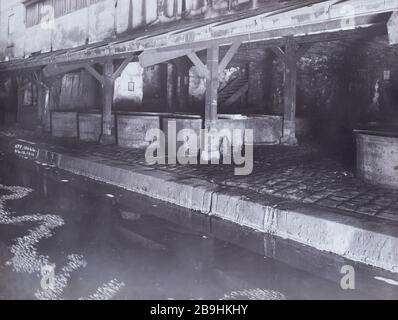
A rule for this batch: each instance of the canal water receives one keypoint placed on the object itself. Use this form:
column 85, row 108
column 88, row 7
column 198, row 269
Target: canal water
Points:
column 66, row 237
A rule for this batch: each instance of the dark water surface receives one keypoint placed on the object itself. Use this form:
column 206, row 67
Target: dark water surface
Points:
column 109, row 243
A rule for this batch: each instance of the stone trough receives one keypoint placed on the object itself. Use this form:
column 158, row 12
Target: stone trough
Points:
column 64, row 124
column 131, row 127
column 377, row 155
column 90, row 126
column 267, row 129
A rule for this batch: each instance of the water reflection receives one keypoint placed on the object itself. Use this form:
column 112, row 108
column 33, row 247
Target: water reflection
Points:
column 130, row 247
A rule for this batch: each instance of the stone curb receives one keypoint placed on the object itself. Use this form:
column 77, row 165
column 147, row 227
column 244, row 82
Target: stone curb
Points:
column 372, row 243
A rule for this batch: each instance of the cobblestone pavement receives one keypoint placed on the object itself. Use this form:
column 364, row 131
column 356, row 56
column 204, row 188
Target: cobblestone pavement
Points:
column 300, row 174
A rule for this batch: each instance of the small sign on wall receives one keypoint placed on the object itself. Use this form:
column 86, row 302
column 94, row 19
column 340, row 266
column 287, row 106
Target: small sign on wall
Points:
column 387, row 75
column 26, row 150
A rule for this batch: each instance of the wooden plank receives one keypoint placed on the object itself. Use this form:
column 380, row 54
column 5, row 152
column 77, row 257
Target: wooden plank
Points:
column 278, row 52
column 212, row 84
column 21, row 85
column 152, row 57
column 55, row 69
column 203, row 70
column 108, row 88
column 290, row 94
column 123, row 65
column 229, row 55
column 237, row 95
column 95, row 74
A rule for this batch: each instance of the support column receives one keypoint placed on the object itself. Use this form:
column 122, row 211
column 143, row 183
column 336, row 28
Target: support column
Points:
column 46, row 116
column 40, row 100
column 210, row 146
column 290, row 56
column 54, row 91
column 290, row 94
column 108, row 134
column 212, row 84
column 182, row 85
column 20, row 98
column 171, row 84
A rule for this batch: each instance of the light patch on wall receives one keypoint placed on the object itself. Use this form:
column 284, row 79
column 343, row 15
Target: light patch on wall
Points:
column 129, row 86
column 387, row 75
column 11, row 24
column 197, row 83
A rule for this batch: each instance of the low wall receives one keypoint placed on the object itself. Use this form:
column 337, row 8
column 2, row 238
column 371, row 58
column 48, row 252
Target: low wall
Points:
column 132, row 129
column 64, row 124
column 377, row 158
column 90, row 126
column 193, row 122
column 266, row 129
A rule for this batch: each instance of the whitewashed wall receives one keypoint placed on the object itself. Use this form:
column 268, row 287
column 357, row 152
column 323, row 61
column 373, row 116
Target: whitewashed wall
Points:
column 97, row 22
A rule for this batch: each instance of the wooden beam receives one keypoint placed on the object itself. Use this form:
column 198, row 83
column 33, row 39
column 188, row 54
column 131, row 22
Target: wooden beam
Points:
column 108, row 136
column 21, row 86
column 274, row 35
column 182, row 83
column 298, row 50
column 290, row 93
column 55, row 69
column 152, row 57
column 43, row 92
column 278, row 52
column 229, row 55
column 123, row 65
column 212, row 84
column 329, row 26
column 95, row 74
column 237, row 95
column 38, row 79
column 290, row 55
column 200, row 65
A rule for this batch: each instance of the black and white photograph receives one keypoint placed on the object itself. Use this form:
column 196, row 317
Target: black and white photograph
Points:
column 199, row 155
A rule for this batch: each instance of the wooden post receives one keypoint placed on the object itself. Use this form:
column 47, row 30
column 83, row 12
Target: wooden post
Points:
column 182, row 85
column 46, row 116
column 212, row 84
column 40, row 99
column 290, row 56
column 43, row 102
column 290, row 92
column 171, row 84
column 20, row 98
column 230, row 5
column 108, row 136
column 210, row 144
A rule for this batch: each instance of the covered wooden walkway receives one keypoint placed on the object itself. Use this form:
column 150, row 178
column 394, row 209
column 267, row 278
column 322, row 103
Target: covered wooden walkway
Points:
column 288, row 31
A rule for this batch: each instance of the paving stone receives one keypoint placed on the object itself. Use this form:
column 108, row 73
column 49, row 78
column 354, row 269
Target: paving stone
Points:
column 328, row 203
column 297, row 174
column 349, row 206
column 369, row 210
